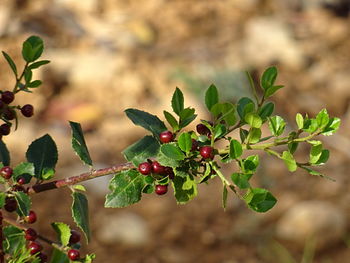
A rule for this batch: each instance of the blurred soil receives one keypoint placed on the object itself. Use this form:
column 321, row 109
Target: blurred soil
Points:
column 109, row 55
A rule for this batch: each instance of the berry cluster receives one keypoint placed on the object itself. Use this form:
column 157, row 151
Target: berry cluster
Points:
column 8, row 113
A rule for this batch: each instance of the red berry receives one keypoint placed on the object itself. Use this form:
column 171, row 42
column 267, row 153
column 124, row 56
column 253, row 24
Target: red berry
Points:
column 10, row 204
column 158, row 168
column 7, row 97
column 9, row 114
column 74, row 237
column 169, row 172
column 27, row 110
column 166, row 136
column 194, row 145
column 73, row 254
column 31, row 217
column 21, row 180
column 202, row 129
column 207, row 152
column 42, row 257
column 6, row 172
column 34, row 247
column 30, row 234
column 5, row 129
column 161, row 189
column 145, row 168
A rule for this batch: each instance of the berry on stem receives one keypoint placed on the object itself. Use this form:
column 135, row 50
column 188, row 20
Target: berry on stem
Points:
column 5, row 129
column 21, row 180
column 207, row 152
column 145, row 168
column 34, row 247
column 6, row 172
column 158, row 168
column 27, row 110
column 7, row 97
column 73, row 254
column 9, row 114
column 161, row 189
column 30, row 234
column 74, row 237
column 10, row 204
column 166, row 136
column 31, row 217
column 202, row 129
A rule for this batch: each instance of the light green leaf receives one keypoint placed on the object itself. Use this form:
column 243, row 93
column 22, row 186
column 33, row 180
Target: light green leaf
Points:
column 185, row 188
column 219, row 131
column 185, row 142
column 236, row 149
column 224, row 197
column 322, row 119
column 244, row 106
column 241, row 180
column 260, row 200
column 289, row 160
column 254, row 135
column 63, row 232
column 211, row 96
column 332, row 126
column 253, row 120
column 299, row 120
column 315, row 153
column 276, row 125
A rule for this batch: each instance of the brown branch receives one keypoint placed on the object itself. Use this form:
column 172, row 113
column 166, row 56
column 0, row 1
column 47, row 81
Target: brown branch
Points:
column 79, row 178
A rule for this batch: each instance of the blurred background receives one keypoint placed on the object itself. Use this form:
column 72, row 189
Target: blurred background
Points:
column 109, row 55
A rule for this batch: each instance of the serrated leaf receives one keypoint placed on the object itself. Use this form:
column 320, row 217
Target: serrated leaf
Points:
column 224, row 197
column 146, row 120
column 80, row 213
column 253, row 120
column 23, row 203
column 185, row 142
column 254, row 135
column 276, row 125
column 225, row 112
column 299, row 120
column 13, row 239
column 166, row 161
column 177, row 101
column 63, row 232
column 241, row 180
column 79, row 144
column 260, row 200
column 10, row 62
column 43, row 154
column 23, row 169
column 211, row 96
column 171, row 120
column 4, row 154
column 184, row 195
column 126, row 188
column 289, row 160
column 171, row 151
column 268, row 78
column 145, row 148
column 59, row 257
column 332, row 126
column 236, row 149
column 186, row 117
column 266, row 110
column 38, row 64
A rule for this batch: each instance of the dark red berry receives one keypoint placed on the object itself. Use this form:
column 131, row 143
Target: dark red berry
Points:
column 73, row 254
column 31, row 217
column 202, row 129
column 145, row 168
column 158, row 168
column 34, row 247
column 30, row 234
column 207, row 152
column 161, row 189
column 9, row 114
column 194, row 145
column 169, row 172
column 166, row 136
column 10, row 204
column 7, row 97
column 74, row 237
column 42, row 257
column 27, row 110
column 6, row 172
column 5, row 129
column 21, row 180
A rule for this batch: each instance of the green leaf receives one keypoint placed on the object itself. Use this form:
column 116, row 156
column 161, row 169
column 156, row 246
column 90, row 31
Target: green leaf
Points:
column 292, row 147
column 322, row 119
column 47, row 173
column 241, row 180
column 2, row 199
column 177, row 101
column 13, row 239
column 236, row 149
column 166, row 161
column 43, row 154
column 268, row 78
column 38, row 64
column 253, row 120
column 299, row 120
column 80, row 213
column 254, row 135
column 323, row 158
column 289, row 160
column 32, row 48
column 63, row 232
column 243, row 134
column 276, row 125
column 244, row 106
column 313, row 172
column 211, row 96
column 185, row 188
column 23, row 169
column 28, row 74
column 332, row 126
column 224, row 197
column 79, row 187
column 266, row 110
column 23, row 202
column 59, row 257
column 260, row 200
column 89, row 258
column 272, row 90
column 315, row 153
column 145, row 148
column 185, row 142
column 310, row 125
column 79, row 144
column 219, row 131
column 10, row 62
column 171, row 120
column 126, row 188
column 148, row 121
column 171, row 151
column 251, row 163
column 34, row 84
column 4, row 154
column 225, row 111
column 186, row 117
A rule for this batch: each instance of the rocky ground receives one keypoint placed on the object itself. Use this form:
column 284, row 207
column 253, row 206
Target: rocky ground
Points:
column 110, row 55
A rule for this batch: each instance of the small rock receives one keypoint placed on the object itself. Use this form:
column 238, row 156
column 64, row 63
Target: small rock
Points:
column 318, row 220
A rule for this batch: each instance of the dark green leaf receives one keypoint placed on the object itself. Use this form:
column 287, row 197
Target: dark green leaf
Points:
column 4, row 154
column 299, row 120
column 171, row 120
column 79, row 144
column 13, row 239
column 171, row 151
column 292, row 147
column 241, row 180
column 32, row 48
column 272, row 90
column 59, row 257
column 244, row 106
column 166, row 161
column 236, row 149
column 23, row 202
column 323, row 158
column 268, row 78
column 185, row 188
column 251, row 163
column 126, row 189
column 185, row 142
column 186, row 117
column 253, row 120
column 80, row 213
column 145, row 148
column 148, row 121
column 243, row 134
column 34, row 84
column 38, row 64
column 211, row 96
column 224, row 197
column 289, row 160
column 63, row 232
column 266, row 110
column 254, row 135
column 332, row 126
column 276, row 125
column 43, row 154
column 260, row 200
column 10, row 62
column 177, row 101
column 219, row 131
column 28, row 74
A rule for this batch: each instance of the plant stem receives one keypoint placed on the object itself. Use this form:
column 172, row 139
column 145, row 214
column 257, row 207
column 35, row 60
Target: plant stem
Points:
column 18, row 80
column 79, row 178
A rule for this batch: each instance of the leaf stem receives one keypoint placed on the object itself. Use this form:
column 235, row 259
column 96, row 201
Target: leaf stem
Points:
column 18, row 80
